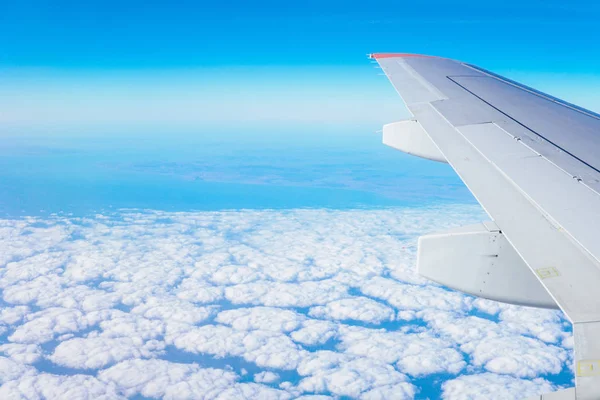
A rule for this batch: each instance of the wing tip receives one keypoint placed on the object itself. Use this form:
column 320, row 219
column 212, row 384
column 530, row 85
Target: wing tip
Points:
column 377, row 56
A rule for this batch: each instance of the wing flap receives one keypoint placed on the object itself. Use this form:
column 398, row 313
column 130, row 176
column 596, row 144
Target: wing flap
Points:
column 483, row 264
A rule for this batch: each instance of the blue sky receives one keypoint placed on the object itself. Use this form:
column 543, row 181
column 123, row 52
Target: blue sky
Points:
column 540, row 35
column 192, row 64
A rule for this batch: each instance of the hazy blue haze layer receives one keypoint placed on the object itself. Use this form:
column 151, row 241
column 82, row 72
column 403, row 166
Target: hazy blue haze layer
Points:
column 215, row 170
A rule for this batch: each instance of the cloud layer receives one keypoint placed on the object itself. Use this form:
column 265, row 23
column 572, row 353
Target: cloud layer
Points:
column 256, row 304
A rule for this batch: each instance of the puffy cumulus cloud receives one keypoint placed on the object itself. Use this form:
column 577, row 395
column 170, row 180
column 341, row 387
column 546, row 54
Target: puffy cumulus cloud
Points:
column 261, row 318
column 278, row 294
column 29, row 237
column 49, row 291
column 253, row 391
column 98, row 352
column 414, row 353
column 173, row 310
column 12, row 315
column 506, row 346
column 413, row 297
column 162, row 379
column 545, row 325
column 345, row 375
column 266, row 377
column 120, row 324
column 48, row 386
column 263, row 348
column 356, row 308
column 44, row 325
column 22, row 353
column 199, row 291
column 314, row 332
column 255, row 304
column 492, row 386
column 11, row 370
column 519, row 356
column 397, row 391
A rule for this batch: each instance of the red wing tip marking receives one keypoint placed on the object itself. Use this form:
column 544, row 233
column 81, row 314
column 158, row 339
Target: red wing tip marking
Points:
column 393, row 55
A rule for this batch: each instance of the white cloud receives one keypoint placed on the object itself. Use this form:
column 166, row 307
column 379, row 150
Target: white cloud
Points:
column 276, row 294
column 487, row 386
column 519, row 356
column 172, row 310
column 22, row 353
column 12, row 315
column 252, row 391
column 356, row 308
column 266, row 377
column 314, row 332
column 10, row 370
column 121, row 324
column 398, row 391
column 264, row 348
column 44, row 325
column 294, row 300
column 546, row 325
column 414, row 353
column 345, row 375
column 263, row 318
column 47, row 386
column 412, row 297
column 98, row 352
column 500, row 346
column 162, row 379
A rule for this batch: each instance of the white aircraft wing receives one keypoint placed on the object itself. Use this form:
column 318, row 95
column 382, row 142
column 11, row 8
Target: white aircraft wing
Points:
column 533, row 162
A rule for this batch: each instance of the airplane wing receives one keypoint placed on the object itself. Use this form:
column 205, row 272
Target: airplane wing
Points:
column 533, row 162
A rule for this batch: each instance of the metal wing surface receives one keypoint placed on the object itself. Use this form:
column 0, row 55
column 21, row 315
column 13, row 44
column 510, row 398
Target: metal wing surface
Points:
column 533, row 162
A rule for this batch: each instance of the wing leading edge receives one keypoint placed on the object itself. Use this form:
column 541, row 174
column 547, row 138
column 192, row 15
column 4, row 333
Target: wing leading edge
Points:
column 533, row 163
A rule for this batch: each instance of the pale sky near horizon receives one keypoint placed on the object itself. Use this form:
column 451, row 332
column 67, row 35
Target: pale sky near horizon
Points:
column 193, row 65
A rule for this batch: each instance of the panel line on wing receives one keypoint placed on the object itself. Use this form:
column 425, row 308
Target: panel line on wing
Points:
column 524, row 126
column 534, row 91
